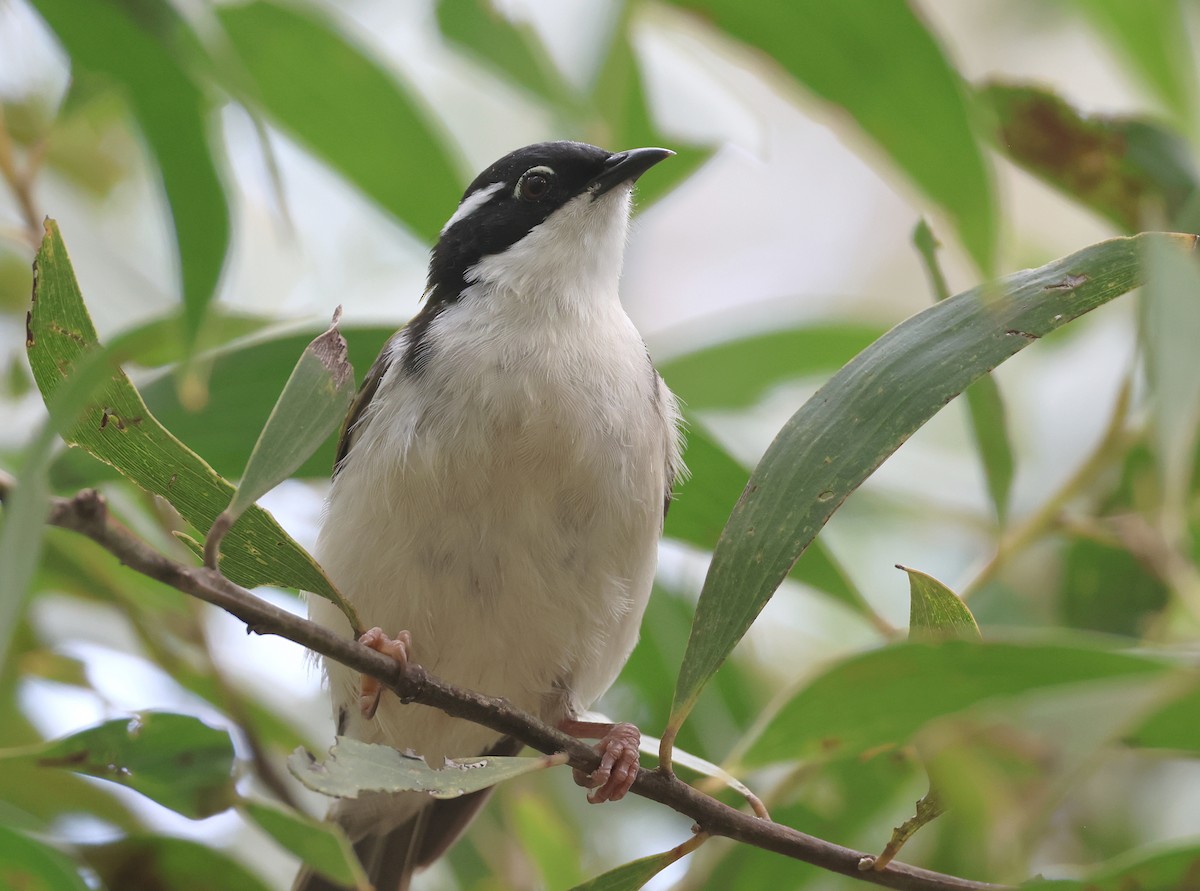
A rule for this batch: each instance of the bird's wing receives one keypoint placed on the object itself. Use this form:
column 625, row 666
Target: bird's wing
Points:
column 356, row 417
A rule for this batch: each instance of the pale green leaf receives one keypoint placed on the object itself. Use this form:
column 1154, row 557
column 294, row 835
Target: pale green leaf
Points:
column 353, row 766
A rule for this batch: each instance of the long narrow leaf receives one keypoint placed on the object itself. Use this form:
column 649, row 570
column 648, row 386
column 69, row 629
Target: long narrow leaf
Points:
column 118, row 429
column 864, row 413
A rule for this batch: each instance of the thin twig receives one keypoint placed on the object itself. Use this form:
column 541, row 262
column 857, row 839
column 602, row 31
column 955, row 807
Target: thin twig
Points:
column 86, row 513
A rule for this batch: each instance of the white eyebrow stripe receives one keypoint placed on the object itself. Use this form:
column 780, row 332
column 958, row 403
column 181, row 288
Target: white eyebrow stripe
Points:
column 472, row 203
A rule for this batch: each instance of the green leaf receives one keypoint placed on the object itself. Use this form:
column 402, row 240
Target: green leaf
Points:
column 908, row 99
column 1130, row 171
column 223, row 430
column 700, row 512
column 172, row 113
column 1153, row 870
column 346, row 109
column 159, row 862
column 29, row 865
column 636, row 873
column 312, row 405
column 864, row 413
column 353, row 766
column 936, row 612
column 738, row 373
column 882, row 698
column 320, row 844
column 177, row 760
column 119, row 430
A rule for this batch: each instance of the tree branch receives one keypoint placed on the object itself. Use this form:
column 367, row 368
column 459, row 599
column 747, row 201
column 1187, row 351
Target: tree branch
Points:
column 87, row 514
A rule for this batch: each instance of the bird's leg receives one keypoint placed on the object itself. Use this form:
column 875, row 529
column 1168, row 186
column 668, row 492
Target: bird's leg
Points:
column 618, row 748
column 370, row 690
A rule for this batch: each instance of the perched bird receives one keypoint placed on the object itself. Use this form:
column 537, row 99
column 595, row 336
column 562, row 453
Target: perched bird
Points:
column 500, row 489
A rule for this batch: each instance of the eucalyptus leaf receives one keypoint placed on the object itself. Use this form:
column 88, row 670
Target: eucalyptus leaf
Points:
column 883, row 697
column 353, row 767
column 636, row 873
column 172, row 113
column 312, row 405
column 864, row 413
column 319, row 843
column 176, row 760
column 223, row 430
column 118, row 429
column 935, row 611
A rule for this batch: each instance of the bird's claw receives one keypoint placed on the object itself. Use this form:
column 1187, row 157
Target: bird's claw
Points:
column 370, row 690
column 619, row 761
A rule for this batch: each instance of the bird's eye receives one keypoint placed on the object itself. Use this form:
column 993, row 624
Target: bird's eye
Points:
column 535, row 184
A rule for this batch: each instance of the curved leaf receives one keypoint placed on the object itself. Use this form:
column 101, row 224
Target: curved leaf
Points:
column 118, row 429
column 864, row 413
column 908, row 98
column 354, row 766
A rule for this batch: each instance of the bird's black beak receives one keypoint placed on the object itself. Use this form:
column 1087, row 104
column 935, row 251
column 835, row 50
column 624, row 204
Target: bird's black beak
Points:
column 626, row 167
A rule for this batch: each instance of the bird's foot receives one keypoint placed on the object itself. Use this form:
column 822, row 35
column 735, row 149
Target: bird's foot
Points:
column 618, row 749
column 370, row 690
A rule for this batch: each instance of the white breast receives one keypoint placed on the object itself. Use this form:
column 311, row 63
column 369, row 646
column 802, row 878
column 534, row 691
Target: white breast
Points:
column 505, row 507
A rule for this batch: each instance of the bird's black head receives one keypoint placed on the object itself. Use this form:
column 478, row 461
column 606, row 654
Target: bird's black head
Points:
column 520, row 192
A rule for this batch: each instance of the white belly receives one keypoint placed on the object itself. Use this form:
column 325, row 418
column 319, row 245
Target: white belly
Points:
column 505, row 508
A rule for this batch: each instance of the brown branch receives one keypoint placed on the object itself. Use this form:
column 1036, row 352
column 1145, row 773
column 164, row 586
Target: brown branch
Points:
column 87, row 514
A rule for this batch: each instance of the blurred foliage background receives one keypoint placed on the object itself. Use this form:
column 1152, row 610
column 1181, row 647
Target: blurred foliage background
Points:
column 225, row 174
